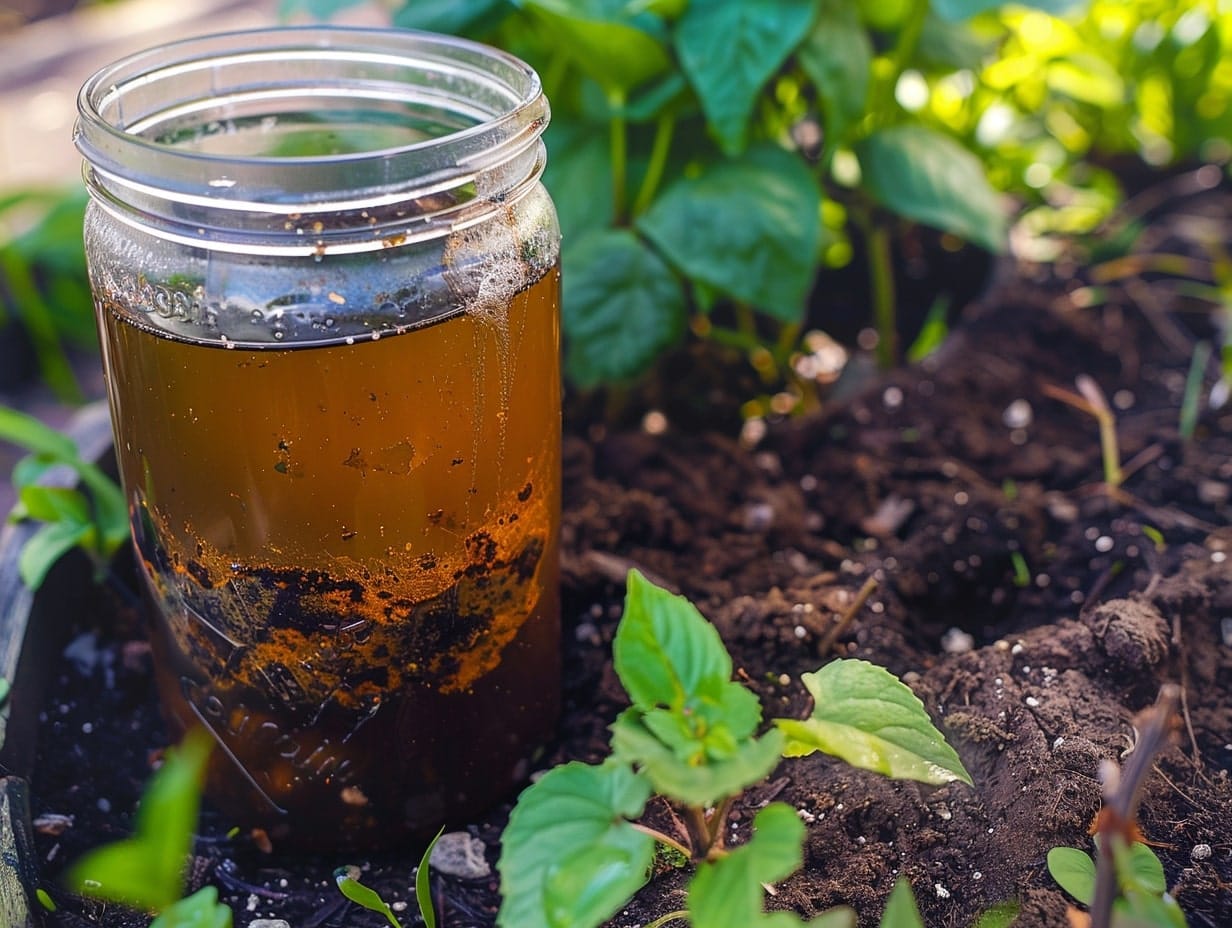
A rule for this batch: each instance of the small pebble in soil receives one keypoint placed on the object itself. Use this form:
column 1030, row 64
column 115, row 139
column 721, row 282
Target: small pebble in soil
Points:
column 460, row 854
column 941, row 891
column 1200, row 852
column 1018, row 414
column 1218, row 557
column 957, row 641
column 1104, row 544
column 269, row 923
column 1032, row 702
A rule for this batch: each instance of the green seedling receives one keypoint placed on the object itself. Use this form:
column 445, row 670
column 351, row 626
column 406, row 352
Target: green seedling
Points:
column 347, row 879
column 147, row 870
column 575, row 851
column 1091, row 400
column 1192, row 400
column 1022, row 573
column 423, row 891
column 96, row 520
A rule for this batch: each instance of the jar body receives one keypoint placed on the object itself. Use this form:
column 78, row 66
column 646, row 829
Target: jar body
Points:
column 343, row 474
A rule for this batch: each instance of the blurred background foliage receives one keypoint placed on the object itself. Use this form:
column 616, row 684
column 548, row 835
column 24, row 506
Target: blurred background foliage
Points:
column 716, row 164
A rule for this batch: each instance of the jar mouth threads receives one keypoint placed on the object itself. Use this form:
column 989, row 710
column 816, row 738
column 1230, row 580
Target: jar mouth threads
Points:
column 305, row 138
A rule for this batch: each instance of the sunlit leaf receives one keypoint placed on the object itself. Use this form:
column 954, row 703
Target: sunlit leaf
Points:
column 729, row 49
column 694, row 783
column 837, row 56
column 928, row 177
column 865, row 715
column 200, row 910
column 608, row 47
column 748, row 227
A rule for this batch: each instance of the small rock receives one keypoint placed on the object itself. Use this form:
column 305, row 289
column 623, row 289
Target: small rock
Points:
column 1213, row 492
column 460, row 854
column 957, row 641
column 1200, row 852
column 269, row 923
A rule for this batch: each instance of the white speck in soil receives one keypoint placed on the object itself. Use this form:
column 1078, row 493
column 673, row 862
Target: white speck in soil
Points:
column 1018, row 414
column 1218, row 557
column 1225, row 631
column 1032, row 702
column 1104, row 544
column 1200, row 852
column 957, row 641
column 104, row 804
column 892, row 397
column 941, row 891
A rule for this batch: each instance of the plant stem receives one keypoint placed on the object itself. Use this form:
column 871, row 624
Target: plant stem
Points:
column 37, row 318
column 663, row 839
column 619, row 150
column 714, row 826
column 699, row 831
column 665, row 128
column 881, row 287
column 1193, row 390
column 679, row 915
column 882, row 97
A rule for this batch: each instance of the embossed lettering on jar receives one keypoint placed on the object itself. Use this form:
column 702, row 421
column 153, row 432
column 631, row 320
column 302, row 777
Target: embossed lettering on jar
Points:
column 326, row 279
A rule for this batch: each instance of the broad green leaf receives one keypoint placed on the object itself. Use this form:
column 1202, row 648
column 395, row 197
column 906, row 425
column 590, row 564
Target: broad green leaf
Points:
column 579, row 176
column 1001, row 915
column 453, row 17
column 30, row 469
column 866, row 716
column 1074, row 870
column 729, row 49
column 423, row 889
column 665, row 652
column 608, row 48
column 1146, row 910
column 837, row 57
column 954, row 10
column 901, row 910
column 693, row 783
column 621, row 308
column 571, row 830
column 46, row 546
column 951, row 46
column 748, row 227
column 1139, row 870
column 365, row 896
column 200, row 910
column 928, row 177
column 728, row 891
column 55, row 504
column 147, row 870
column 670, row 93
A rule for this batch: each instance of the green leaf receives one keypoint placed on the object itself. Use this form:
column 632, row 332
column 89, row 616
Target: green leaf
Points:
column 694, row 783
column 1074, row 871
column 1001, row 915
column 1136, row 909
column 571, row 830
column 365, row 896
column 579, row 176
column 55, row 504
column 748, row 227
column 621, row 307
column 951, row 46
column 954, row 10
column 901, row 910
column 1139, row 870
column 837, row 57
column 728, row 891
column 46, row 546
column 200, row 910
column 928, row 177
column 729, row 49
column 604, row 45
column 147, row 870
column 864, row 715
column 452, row 17
column 423, row 891
column 665, row 652
column 31, row 469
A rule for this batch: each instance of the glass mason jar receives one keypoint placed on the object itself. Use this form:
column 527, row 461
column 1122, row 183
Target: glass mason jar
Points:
column 326, row 280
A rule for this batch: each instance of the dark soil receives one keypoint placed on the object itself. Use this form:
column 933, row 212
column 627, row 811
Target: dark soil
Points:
column 1032, row 608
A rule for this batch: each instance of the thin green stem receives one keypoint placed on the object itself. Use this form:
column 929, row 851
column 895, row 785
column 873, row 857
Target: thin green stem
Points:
column 619, row 150
column 36, row 315
column 881, row 285
column 679, row 915
column 663, row 839
column 665, row 128
column 1109, row 448
column 882, row 96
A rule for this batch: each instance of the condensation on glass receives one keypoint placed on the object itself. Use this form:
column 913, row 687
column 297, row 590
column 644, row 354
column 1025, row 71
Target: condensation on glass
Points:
column 326, row 281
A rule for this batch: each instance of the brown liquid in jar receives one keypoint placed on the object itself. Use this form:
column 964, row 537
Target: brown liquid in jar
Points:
column 351, row 553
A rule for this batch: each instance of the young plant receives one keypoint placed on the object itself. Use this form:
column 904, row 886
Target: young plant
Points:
column 347, row 879
column 1124, row 886
column 96, row 522
column 575, row 849
column 147, row 870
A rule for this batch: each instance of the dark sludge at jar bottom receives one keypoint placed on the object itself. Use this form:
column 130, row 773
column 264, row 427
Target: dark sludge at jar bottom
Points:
column 350, row 552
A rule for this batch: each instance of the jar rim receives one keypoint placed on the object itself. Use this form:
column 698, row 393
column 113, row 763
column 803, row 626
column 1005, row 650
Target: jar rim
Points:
column 122, row 104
